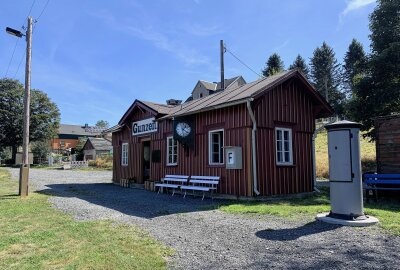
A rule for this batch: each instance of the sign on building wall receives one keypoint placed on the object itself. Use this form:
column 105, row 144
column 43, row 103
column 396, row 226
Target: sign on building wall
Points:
column 144, row 126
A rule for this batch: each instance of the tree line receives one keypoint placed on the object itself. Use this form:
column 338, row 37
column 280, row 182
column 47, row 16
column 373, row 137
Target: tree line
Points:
column 364, row 86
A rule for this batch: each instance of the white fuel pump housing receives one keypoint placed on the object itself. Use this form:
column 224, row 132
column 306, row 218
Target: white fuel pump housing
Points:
column 345, row 170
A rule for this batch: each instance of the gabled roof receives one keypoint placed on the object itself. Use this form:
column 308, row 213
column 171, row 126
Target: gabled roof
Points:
column 241, row 94
column 100, row 144
column 79, row 130
column 208, row 85
column 155, row 108
column 228, row 82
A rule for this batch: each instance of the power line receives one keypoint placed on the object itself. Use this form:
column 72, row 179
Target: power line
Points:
column 40, row 15
column 16, row 42
column 243, row 63
column 34, row 26
column 12, row 56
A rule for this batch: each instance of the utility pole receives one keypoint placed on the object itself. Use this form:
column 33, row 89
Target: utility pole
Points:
column 24, row 172
column 222, row 51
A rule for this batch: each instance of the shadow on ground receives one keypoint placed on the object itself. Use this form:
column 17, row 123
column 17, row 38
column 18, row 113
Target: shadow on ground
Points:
column 133, row 202
column 291, row 234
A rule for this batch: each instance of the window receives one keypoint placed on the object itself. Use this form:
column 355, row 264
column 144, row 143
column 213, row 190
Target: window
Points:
column 200, row 95
column 216, row 147
column 172, row 151
column 124, row 154
column 284, row 155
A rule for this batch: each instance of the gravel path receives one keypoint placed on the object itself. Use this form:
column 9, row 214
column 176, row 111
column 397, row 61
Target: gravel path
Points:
column 216, row 240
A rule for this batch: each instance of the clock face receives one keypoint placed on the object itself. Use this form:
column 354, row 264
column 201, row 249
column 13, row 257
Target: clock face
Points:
column 183, row 129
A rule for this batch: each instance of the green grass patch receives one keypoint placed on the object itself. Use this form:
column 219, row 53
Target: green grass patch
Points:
column 388, row 212
column 33, row 235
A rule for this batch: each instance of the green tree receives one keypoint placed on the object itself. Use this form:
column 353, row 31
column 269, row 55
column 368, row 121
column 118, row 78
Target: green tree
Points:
column 273, row 66
column 326, row 77
column 300, row 64
column 45, row 116
column 41, row 149
column 355, row 64
column 377, row 92
column 102, row 124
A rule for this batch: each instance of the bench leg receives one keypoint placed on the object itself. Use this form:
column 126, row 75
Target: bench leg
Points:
column 184, row 195
column 203, row 195
column 173, row 192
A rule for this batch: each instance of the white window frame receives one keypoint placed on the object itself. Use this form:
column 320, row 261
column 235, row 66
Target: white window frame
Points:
column 171, row 139
column 290, row 150
column 124, row 154
column 210, row 147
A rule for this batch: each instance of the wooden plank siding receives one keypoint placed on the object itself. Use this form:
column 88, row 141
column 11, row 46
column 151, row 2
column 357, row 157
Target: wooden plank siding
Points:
column 286, row 105
column 388, row 144
column 289, row 107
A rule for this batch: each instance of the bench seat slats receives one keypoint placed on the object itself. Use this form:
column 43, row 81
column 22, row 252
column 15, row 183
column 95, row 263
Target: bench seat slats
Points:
column 174, row 180
column 167, row 185
column 204, row 182
column 198, row 188
column 195, row 177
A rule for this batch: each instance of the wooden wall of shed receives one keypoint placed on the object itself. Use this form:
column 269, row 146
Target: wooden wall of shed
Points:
column 285, row 106
column 237, row 126
column 388, row 144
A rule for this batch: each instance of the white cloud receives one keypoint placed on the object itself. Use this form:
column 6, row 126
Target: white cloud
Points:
column 159, row 39
column 354, row 5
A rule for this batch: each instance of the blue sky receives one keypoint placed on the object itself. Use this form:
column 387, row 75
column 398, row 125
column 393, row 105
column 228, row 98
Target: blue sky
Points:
column 94, row 58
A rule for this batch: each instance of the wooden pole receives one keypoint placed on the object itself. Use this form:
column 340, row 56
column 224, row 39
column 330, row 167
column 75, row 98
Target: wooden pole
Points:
column 24, row 172
column 222, row 51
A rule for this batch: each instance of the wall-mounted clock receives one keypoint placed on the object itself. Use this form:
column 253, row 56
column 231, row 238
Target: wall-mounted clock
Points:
column 184, row 131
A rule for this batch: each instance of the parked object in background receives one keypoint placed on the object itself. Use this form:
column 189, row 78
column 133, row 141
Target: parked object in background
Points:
column 387, row 130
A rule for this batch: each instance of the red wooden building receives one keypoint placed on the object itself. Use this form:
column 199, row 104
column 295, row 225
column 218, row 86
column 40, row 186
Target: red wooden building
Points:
column 272, row 121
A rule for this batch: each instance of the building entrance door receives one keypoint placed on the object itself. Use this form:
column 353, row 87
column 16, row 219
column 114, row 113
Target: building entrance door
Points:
column 146, row 160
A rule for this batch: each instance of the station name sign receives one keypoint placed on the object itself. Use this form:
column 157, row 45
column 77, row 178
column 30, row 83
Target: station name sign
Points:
column 144, row 126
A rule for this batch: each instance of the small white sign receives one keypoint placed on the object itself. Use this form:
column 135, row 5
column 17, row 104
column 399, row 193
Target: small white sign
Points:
column 145, row 126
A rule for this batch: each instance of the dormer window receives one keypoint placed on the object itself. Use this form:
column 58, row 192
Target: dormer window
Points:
column 200, row 95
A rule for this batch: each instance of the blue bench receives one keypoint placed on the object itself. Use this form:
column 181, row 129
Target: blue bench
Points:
column 374, row 182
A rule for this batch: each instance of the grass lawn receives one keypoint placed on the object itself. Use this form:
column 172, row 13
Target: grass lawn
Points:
column 367, row 150
column 33, row 235
column 387, row 212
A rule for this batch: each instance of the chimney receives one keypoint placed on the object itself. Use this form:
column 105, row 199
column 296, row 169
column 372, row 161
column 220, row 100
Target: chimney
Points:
column 173, row 102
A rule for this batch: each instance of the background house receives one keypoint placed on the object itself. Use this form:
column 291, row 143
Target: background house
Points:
column 204, row 88
column 95, row 147
column 68, row 136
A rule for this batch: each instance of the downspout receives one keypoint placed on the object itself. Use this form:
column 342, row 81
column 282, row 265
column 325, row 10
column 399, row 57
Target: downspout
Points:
column 253, row 146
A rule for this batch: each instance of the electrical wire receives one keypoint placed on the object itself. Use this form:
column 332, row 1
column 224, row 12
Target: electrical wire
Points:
column 41, row 13
column 243, row 63
column 34, row 26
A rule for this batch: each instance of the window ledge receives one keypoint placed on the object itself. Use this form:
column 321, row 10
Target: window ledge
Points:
column 286, row 165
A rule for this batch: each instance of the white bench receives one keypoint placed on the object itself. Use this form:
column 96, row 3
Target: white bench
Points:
column 172, row 181
column 201, row 183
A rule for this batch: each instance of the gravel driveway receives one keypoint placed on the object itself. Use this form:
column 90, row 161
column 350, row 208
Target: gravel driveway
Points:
column 213, row 239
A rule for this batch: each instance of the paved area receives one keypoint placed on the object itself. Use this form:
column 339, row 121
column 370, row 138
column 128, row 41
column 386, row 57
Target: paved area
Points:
column 210, row 239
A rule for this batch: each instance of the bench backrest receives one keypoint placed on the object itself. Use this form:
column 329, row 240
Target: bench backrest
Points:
column 206, row 180
column 175, row 178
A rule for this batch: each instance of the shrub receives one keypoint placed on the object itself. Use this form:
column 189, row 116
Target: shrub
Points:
column 103, row 162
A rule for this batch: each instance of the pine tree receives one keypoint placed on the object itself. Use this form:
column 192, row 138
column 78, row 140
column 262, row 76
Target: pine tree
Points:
column 273, row 66
column 355, row 65
column 326, row 77
column 300, row 64
column 377, row 92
